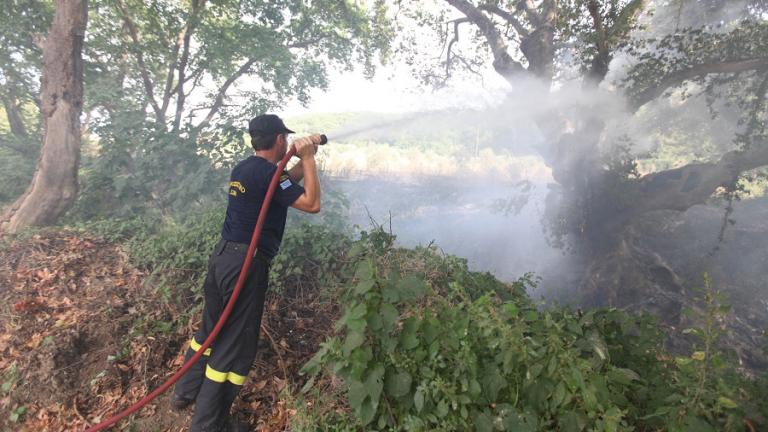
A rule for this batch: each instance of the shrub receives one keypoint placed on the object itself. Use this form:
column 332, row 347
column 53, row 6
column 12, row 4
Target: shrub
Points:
column 424, row 344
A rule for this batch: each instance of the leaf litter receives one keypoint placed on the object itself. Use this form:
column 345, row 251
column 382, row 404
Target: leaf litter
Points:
column 84, row 334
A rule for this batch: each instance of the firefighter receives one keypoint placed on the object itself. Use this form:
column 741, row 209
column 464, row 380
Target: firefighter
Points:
column 215, row 380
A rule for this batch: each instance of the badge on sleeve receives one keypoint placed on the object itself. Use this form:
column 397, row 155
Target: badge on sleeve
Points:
column 285, row 182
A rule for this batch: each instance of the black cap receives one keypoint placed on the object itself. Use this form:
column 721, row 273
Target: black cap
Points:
column 267, row 124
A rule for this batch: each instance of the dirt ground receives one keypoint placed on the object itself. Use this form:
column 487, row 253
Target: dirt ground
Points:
column 83, row 336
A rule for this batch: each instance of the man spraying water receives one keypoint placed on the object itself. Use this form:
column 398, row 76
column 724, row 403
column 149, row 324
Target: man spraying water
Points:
column 215, row 380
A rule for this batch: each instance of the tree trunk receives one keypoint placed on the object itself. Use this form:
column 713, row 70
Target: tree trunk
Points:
column 54, row 186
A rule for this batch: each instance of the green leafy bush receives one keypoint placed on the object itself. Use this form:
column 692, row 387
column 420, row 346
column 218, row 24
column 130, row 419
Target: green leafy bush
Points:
column 425, row 344
column 310, row 256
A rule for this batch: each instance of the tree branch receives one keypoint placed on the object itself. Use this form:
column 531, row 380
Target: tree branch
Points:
column 627, row 16
column 145, row 78
column 196, row 7
column 602, row 58
column 169, row 90
column 13, row 112
column 677, row 78
column 503, row 63
column 684, row 187
column 549, row 15
column 530, row 10
column 306, row 43
column 219, row 99
column 455, row 39
column 508, row 17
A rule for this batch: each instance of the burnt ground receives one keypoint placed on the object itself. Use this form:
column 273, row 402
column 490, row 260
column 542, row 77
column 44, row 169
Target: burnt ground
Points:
column 737, row 265
column 83, row 336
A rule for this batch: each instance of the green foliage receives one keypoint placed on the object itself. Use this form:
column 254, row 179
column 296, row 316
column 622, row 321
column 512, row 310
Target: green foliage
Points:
column 10, row 379
column 688, row 52
column 17, row 415
column 20, row 61
column 311, row 256
column 18, row 170
column 177, row 252
column 428, row 346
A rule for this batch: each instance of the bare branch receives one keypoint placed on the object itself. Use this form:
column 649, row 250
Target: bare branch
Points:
column 197, row 6
column 504, row 64
column 508, row 17
column 455, row 39
column 145, row 78
column 533, row 14
column 169, row 90
column 679, row 77
column 219, row 100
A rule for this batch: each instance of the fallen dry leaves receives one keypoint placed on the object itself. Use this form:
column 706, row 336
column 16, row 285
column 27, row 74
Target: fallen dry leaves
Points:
column 77, row 344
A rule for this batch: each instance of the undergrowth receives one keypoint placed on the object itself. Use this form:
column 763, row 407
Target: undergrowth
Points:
column 425, row 344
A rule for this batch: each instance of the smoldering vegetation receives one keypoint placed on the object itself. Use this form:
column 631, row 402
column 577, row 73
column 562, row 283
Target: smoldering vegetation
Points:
column 438, row 182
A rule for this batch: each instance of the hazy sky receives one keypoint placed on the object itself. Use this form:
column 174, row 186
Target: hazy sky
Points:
column 395, row 90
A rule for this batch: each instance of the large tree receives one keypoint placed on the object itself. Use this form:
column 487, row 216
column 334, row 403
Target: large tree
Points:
column 601, row 194
column 170, row 85
column 173, row 83
column 54, row 186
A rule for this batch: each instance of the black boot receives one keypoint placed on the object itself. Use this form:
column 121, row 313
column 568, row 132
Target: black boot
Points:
column 179, row 403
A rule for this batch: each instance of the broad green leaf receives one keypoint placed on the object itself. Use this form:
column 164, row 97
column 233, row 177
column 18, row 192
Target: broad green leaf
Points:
column 442, row 408
column 358, row 324
column 694, row 423
column 571, row 422
column 357, row 311
column 412, row 287
column 515, row 423
column 398, row 384
column 364, row 270
column 623, row 376
column 484, row 423
column 368, row 411
column 511, row 310
column 408, row 338
column 612, row 419
column 375, row 383
column 418, row 400
column 559, row 395
column 353, row 340
column 374, row 322
column 389, row 316
column 492, row 382
column 356, row 392
column 364, row 286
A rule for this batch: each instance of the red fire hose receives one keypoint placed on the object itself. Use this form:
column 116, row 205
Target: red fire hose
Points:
column 227, row 310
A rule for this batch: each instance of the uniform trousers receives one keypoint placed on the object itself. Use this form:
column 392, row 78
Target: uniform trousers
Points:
column 214, row 381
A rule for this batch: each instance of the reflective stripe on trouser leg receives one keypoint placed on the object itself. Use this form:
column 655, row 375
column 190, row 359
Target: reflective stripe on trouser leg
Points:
column 194, row 346
column 189, row 385
column 235, row 347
